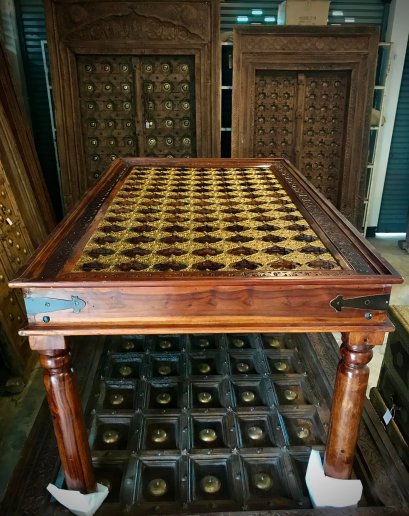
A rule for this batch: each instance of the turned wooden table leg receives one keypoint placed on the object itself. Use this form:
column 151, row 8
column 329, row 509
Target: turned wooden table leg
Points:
column 66, row 411
column 348, row 401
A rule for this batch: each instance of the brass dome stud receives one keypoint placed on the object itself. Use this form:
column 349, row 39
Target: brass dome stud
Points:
column 274, row 343
column 281, row 366
column 238, row 343
column 208, row 435
column 163, row 398
column 255, row 433
column 303, row 432
column 290, row 395
column 204, row 368
column 128, row 345
column 210, row 484
column 248, row 396
column 125, row 371
column 242, row 367
column 116, row 399
column 203, row 343
column 110, row 436
column 263, row 481
column 204, row 397
column 157, row 487
column 164, row 369
column 165, row 344
column 159, row 435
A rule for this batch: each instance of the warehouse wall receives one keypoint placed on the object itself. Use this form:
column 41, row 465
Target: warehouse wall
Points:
column 395, row 199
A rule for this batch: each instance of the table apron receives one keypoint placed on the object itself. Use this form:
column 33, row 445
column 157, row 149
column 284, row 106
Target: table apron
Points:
column 177, row 305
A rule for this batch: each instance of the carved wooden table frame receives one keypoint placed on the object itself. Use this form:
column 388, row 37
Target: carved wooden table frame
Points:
column 62, row 300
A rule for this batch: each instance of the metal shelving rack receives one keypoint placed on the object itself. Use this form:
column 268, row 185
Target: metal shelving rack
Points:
column 380, row 90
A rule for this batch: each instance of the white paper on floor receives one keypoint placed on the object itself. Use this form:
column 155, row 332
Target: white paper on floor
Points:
column 78, row 503
column 327, row 491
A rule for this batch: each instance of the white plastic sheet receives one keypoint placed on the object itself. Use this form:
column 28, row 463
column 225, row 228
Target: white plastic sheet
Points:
column 78, row 503
column 330, row 492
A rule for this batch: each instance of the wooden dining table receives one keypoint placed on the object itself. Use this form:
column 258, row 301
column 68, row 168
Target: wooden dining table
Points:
column 204, row 245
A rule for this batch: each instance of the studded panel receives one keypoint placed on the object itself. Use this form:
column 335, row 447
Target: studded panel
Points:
column 136, row 106
column 323, row 135
column 275, row 116
column 15, row 248
column 197, row 430
column 300, row 116
column 168, row 100
column 107, row 99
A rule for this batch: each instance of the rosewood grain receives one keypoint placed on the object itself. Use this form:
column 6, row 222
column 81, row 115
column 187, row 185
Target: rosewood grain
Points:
column 348, row 401
column 68, row 419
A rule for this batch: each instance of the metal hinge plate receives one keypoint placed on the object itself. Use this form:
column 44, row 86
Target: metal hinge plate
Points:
column 40, row 305
column 379, row 302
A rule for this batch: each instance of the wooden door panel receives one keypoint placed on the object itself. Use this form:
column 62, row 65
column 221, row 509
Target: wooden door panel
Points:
column 323, row 131
column 107, row 104
column 275, row 114
column 167, row 102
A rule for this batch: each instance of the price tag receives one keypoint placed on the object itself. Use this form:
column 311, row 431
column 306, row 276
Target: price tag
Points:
column 9, row 222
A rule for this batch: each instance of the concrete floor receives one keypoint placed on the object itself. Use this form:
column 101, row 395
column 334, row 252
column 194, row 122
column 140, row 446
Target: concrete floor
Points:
column 17, row 413
column 387, row 246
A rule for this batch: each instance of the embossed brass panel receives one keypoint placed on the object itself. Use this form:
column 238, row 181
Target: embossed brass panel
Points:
column 189, row 237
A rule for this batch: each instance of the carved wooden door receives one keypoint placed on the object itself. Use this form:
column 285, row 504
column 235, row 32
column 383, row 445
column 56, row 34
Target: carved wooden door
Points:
column 133, row 79
column 308, row 94
column 26, row 217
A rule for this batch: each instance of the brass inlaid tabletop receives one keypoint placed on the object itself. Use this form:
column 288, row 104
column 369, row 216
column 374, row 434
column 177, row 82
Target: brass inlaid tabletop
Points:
column 203, row 219
column 200, row 247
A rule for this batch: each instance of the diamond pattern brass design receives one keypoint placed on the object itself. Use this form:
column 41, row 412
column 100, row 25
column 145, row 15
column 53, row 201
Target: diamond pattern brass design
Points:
column 206, row 208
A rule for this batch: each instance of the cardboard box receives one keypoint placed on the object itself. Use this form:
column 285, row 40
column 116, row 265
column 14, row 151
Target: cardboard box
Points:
column 303, row 12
